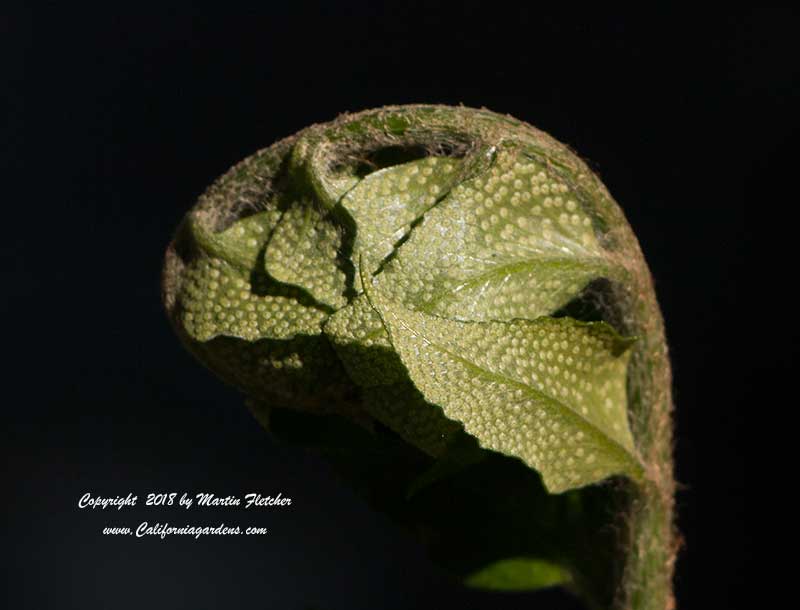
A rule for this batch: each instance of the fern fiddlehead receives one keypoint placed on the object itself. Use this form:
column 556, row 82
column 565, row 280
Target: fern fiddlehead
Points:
column 448, row 275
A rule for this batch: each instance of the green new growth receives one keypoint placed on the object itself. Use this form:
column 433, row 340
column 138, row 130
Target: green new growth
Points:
column 449, row 303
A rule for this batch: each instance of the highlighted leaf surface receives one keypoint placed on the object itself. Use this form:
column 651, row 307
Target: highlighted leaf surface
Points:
column 303, row 252
column 549, row 391
column 223, row 293
column 515, row 242
column 386, row 202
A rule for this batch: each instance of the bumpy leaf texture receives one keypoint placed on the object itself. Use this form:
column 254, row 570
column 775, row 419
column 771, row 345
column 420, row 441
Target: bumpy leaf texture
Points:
column 549, row 391
column 470, row 264
column 417, row 294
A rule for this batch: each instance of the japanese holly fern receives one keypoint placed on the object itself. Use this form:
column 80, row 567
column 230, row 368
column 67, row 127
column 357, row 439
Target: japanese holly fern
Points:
column 450, row 303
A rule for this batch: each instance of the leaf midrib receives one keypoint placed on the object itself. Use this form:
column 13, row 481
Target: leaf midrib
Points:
column 506, row 270
column 530, row 390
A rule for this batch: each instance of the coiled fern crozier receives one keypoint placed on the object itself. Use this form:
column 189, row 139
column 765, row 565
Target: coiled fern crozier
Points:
column 450, row 303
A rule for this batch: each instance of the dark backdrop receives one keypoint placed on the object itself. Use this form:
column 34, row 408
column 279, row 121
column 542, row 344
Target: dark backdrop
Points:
column 115, row 122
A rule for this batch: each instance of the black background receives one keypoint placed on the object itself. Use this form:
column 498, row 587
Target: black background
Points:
column 115, row 122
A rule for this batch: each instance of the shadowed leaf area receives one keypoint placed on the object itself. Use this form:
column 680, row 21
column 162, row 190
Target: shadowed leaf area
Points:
column 483, row 517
